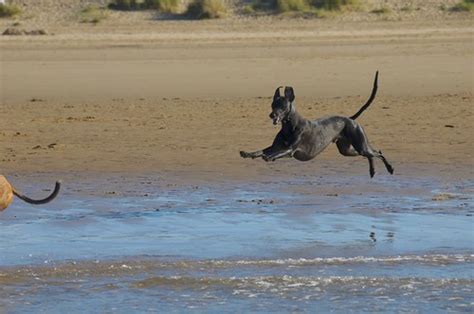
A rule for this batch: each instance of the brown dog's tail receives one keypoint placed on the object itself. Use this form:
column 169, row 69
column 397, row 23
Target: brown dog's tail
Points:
column 371, row 98
column 42, row 201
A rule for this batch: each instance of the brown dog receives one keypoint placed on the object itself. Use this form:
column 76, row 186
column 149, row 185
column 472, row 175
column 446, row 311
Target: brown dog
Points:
column 7, row 191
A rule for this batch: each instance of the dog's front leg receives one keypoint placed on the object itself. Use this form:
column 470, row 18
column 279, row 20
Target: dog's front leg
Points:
column 252, row 155
column 285, row 153
column 256, row 154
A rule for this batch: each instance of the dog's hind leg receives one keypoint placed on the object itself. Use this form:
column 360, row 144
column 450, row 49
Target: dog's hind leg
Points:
column 385, row 161
column 368, row 151
column 371, row 166
column 370, row 155
column 361, row 144
column 345, row 148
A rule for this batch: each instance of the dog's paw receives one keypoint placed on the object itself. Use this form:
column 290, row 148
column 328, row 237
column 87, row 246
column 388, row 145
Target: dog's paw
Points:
column 244, row 154
column 268, row 158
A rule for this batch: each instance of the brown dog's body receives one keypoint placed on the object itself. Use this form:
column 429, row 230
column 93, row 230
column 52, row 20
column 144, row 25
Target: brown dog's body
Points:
column 7, row 191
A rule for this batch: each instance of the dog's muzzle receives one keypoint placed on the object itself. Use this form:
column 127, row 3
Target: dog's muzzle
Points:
column 275, row 118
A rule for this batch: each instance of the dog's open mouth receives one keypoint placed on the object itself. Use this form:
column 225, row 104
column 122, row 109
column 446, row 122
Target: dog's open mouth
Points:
column 276, row 120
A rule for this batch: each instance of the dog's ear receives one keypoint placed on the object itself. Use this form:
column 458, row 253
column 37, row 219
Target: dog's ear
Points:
column 289, row 93
column 277, row 93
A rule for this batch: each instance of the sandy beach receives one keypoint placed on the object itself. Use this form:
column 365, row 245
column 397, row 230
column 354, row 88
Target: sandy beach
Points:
column 149, row 102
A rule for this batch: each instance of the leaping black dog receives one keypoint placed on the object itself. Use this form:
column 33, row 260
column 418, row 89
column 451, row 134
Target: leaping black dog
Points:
column 304, row 139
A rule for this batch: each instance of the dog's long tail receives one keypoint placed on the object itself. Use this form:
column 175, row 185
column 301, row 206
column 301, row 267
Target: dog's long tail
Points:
column 371, row 98
column 42, row 201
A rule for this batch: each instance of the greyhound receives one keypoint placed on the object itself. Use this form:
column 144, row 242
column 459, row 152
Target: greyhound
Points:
column 7, row 191
column 304, row 139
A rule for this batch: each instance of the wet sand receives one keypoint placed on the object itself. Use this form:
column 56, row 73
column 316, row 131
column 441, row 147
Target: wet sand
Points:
column 166, row 216
column 279, row 244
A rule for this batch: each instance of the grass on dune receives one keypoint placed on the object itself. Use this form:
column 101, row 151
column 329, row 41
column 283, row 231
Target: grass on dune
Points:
column 206, row 9
column 166, row 6
column 9, row 10
column 463, row 6
column 318, row 7
column 93, row 14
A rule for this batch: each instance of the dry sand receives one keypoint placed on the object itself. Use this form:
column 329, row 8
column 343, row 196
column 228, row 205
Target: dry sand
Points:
column 187, row 96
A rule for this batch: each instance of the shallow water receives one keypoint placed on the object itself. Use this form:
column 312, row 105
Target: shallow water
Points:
column 335, row 243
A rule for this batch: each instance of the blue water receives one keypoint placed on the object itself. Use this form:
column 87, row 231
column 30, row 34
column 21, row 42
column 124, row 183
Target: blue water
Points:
column 335, row 243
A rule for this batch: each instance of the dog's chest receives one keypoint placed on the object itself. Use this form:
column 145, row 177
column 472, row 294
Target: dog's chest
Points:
column 289, row 135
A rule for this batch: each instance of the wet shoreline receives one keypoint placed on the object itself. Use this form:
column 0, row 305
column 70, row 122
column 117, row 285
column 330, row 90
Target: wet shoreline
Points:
column 160, row 241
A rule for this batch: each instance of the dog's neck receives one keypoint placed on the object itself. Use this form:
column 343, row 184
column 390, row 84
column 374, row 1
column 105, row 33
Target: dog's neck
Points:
column 292, row 119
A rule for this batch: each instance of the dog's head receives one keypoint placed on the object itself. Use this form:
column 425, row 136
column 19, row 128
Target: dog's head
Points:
column 282, row 106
